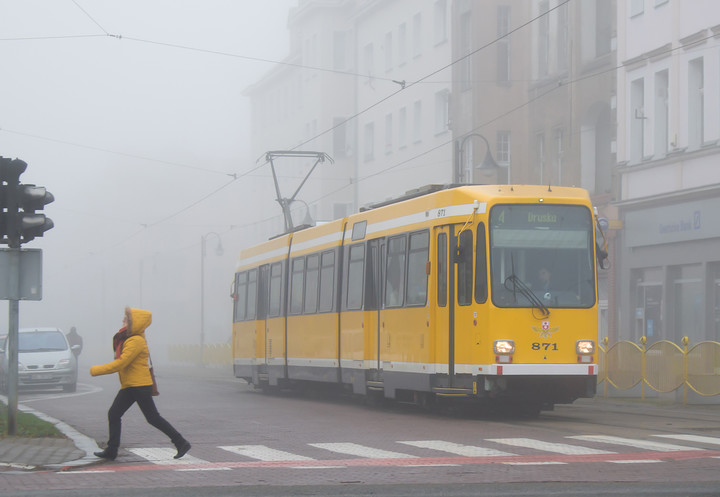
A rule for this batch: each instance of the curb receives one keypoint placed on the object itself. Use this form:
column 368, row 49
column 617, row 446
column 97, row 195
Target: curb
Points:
column 82, row 442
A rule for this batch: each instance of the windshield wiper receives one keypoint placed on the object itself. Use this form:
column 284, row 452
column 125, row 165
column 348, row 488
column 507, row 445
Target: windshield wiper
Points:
column 520, row 286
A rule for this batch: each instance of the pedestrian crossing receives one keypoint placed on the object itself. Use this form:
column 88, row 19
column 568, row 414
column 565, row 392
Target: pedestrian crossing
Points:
column 517, row 451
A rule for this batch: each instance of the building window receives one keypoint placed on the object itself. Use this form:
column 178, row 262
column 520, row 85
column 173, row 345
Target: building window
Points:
column 442, row 105
column 543, row 45
column 340, row 145
column 388, row 133
column 604, row 13
column 503, row 147
column 637, row 7
column 369, row 142
column 465, row 48
column 646, row 290
column 696, row 114
column 402, row 44
column 417, row 121
column 417, row 35
column 559, row 154
column 388, row 51
column 369, row 60
column 637, row 120
column 340, row 50
column 402, row 127
column 661, row 114
column 440, row 21
column 503, row 44
column 540, row 154
column 563, row 37
column 688, row 302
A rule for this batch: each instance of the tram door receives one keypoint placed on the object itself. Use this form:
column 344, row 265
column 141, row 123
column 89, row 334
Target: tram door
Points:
column 374, row 278
column 262, row 307
column 454, row 284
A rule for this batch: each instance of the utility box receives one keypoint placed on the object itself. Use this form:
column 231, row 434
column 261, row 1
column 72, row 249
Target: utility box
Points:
column 30, row 273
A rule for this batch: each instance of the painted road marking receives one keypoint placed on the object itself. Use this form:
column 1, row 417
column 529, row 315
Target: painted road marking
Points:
column 629, row 442
column 693, row 438
column 263, row 453
column 548, row 446
column 636, row 461
column 164, row 456
column 353, row 449
column 459, row 449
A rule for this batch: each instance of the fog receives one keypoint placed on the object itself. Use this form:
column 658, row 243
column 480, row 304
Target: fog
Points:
column 130, row 112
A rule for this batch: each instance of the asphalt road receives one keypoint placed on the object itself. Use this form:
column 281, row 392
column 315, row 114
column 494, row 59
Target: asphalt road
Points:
column 249, row 443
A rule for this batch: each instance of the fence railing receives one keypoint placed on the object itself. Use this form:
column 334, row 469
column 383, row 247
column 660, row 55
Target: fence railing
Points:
column 663, row 366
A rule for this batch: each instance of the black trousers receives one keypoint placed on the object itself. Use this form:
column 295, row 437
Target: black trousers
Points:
column 124, row 399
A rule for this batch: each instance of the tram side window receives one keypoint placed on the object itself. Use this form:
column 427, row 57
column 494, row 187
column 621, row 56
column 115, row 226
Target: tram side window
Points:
column 275, row 308
column 240, row 296
column 442, row 270
column 395, row 274
column 417, row 264
column 480, row 266
column 327, row 281
column 312, row 276
column 354, row 280
column 251, row 295
column 465, row 268
column 296, row 285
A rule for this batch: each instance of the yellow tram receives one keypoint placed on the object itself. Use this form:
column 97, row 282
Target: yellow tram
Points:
column 477, row 292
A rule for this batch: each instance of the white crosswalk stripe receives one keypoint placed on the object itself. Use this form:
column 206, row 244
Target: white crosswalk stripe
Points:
column 263, row 453
column 629, row 442
column 459, row 449
column 693, row 438
column 556, row 448
column 361, row 451
column 164, row 456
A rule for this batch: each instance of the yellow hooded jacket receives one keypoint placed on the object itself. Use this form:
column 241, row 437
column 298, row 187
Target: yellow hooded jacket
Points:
column 132, row 365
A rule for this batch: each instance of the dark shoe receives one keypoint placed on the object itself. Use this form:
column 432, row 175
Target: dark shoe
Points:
column 183, row 447
column 109, row 454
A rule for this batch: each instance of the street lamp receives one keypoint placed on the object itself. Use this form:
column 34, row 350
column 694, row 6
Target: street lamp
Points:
column 488, row 165
column 218, row 251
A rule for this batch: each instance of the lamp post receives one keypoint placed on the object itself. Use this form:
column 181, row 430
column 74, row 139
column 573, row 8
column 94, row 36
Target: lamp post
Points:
column 218, row 251
column 488, row 164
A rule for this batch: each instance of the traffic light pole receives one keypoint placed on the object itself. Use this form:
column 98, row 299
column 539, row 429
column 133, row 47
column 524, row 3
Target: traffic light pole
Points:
column 12, row 341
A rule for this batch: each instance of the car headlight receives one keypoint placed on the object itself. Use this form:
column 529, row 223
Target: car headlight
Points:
column 20, row 366
column 585, row 347
column 504, row 347
column 63, row 363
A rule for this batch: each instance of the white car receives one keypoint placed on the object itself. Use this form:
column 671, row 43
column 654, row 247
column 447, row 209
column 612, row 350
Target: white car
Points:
column 45, row 359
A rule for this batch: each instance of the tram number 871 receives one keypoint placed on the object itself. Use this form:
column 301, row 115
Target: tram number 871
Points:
column 544, row 346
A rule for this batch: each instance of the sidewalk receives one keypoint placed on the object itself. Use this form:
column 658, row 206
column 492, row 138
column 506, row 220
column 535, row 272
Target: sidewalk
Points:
column 26, row 454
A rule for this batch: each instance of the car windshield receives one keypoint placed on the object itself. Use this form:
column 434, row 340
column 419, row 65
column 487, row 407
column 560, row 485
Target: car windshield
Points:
column 41, row 341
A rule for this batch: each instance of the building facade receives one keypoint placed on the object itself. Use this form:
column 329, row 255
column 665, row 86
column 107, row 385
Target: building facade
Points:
column 668, row 267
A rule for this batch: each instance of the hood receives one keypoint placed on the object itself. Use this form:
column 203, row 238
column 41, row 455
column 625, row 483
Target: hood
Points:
column 139, row 320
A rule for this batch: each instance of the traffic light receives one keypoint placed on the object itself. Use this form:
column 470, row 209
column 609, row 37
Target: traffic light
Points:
column 10, row 171
column 30, row 224
column 19, row 223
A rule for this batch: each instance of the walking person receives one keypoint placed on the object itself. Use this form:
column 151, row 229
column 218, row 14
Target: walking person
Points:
column 136, row 383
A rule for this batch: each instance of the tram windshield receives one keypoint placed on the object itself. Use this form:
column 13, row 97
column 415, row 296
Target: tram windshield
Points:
column 542, row 256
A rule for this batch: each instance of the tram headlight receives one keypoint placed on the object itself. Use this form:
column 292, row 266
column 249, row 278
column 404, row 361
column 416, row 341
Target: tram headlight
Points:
column 504, row 347
column 585, row 347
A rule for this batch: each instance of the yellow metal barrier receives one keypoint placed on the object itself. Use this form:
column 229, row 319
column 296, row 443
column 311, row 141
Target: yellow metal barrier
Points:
column 663, row 366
